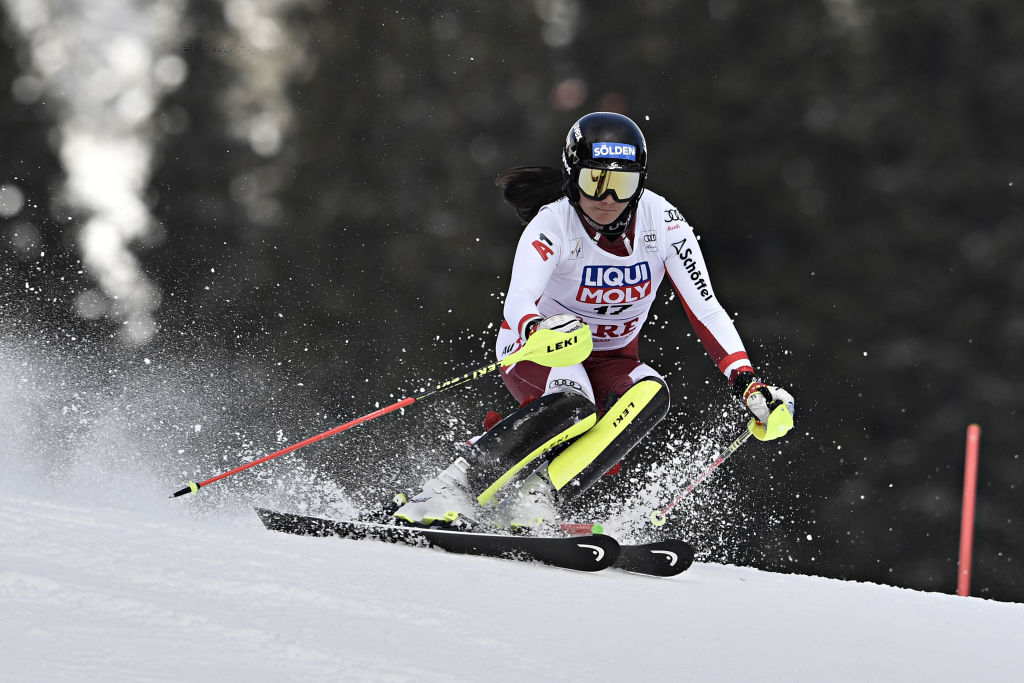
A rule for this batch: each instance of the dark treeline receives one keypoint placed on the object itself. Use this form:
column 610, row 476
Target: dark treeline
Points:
column 853, row 168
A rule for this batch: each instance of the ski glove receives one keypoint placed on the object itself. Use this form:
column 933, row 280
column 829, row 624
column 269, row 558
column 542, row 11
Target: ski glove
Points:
column 773, row 408
column 561, row 322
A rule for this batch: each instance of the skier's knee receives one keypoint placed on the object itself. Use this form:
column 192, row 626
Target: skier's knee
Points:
column 627, row 421
column 660, row 399
column 510, row 447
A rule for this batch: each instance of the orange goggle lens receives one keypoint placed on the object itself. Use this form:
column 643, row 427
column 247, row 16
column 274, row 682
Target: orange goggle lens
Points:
column 596, row 183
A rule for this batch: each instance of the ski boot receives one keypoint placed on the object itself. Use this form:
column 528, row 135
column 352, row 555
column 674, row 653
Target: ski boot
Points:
column 445, row 501
column 392, row 506
column 533, row 506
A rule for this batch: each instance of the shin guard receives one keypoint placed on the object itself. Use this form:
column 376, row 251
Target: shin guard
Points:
column 632, row 416
column 504, row 453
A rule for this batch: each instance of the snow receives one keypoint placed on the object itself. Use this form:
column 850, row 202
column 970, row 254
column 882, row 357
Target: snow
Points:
column 149, row 589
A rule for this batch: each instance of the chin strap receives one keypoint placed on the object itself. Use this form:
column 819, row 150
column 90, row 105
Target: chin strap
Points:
column 612, row 230
column 596, row 230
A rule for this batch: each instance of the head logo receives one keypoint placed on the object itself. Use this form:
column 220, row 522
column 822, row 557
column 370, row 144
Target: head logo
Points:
column 613, row 150
column 669, row 555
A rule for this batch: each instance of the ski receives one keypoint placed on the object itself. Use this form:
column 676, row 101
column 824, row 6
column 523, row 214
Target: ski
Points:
column 660, row 558
column 583, row 553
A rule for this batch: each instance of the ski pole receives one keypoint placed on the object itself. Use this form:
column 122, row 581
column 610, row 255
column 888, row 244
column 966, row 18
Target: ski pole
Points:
column 780, row 421
column 659, row 517
column 545, row 347
column 581, row 528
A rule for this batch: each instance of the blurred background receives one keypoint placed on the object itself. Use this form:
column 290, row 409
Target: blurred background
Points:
column 228, row 225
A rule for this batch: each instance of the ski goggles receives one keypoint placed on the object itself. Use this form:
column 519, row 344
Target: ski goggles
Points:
column 597, row 183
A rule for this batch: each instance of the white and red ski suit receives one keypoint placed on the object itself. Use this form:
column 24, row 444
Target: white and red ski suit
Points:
column 562, row 266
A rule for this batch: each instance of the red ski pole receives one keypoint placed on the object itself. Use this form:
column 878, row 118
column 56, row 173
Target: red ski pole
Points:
column 194, row 487
column 546, row 347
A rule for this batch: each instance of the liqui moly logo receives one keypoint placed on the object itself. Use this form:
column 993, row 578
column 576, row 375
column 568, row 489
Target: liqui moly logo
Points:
column 615, row 284
column 613, row 150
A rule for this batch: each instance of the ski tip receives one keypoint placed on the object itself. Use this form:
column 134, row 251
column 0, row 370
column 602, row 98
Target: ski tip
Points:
column 662, row 558
column 605, row 550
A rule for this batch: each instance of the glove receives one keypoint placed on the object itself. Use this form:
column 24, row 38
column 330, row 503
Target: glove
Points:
column 557, row 341
column 560, row 322
column 773, row 408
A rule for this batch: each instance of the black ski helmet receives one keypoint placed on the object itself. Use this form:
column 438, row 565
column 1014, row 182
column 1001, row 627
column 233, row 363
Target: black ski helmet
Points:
column 608, row 141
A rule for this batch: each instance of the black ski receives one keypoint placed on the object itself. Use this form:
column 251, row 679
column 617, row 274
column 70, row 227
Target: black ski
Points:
column 583, row 553
column 661, row 558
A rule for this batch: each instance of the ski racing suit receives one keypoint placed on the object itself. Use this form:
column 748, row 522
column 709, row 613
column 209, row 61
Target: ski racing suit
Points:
column 611, row 400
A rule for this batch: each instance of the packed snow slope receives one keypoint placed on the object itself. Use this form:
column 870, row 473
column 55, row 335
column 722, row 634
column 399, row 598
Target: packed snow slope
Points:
column 92, row 591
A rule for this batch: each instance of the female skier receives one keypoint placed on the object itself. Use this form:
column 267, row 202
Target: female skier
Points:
column 595, row 248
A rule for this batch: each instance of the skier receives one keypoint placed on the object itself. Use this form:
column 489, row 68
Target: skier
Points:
column 595, row 248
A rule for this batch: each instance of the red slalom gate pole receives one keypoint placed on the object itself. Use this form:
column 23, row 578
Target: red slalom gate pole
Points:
column 963, row 579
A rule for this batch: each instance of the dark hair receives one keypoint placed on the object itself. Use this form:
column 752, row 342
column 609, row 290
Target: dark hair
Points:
column 527, row 188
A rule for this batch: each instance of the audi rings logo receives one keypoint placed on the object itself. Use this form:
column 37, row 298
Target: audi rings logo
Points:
column 613, row 150
column 567, row 384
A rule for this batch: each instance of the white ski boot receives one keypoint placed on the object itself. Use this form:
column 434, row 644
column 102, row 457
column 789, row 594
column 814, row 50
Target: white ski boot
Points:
column 444, row 501
column 533, row 505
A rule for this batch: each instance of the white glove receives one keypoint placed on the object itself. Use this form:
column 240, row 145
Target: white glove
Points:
column 761, row 400
column 560, row 322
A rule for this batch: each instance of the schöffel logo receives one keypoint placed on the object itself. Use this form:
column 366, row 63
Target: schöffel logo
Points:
column 615, row 284
column 613, row 150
